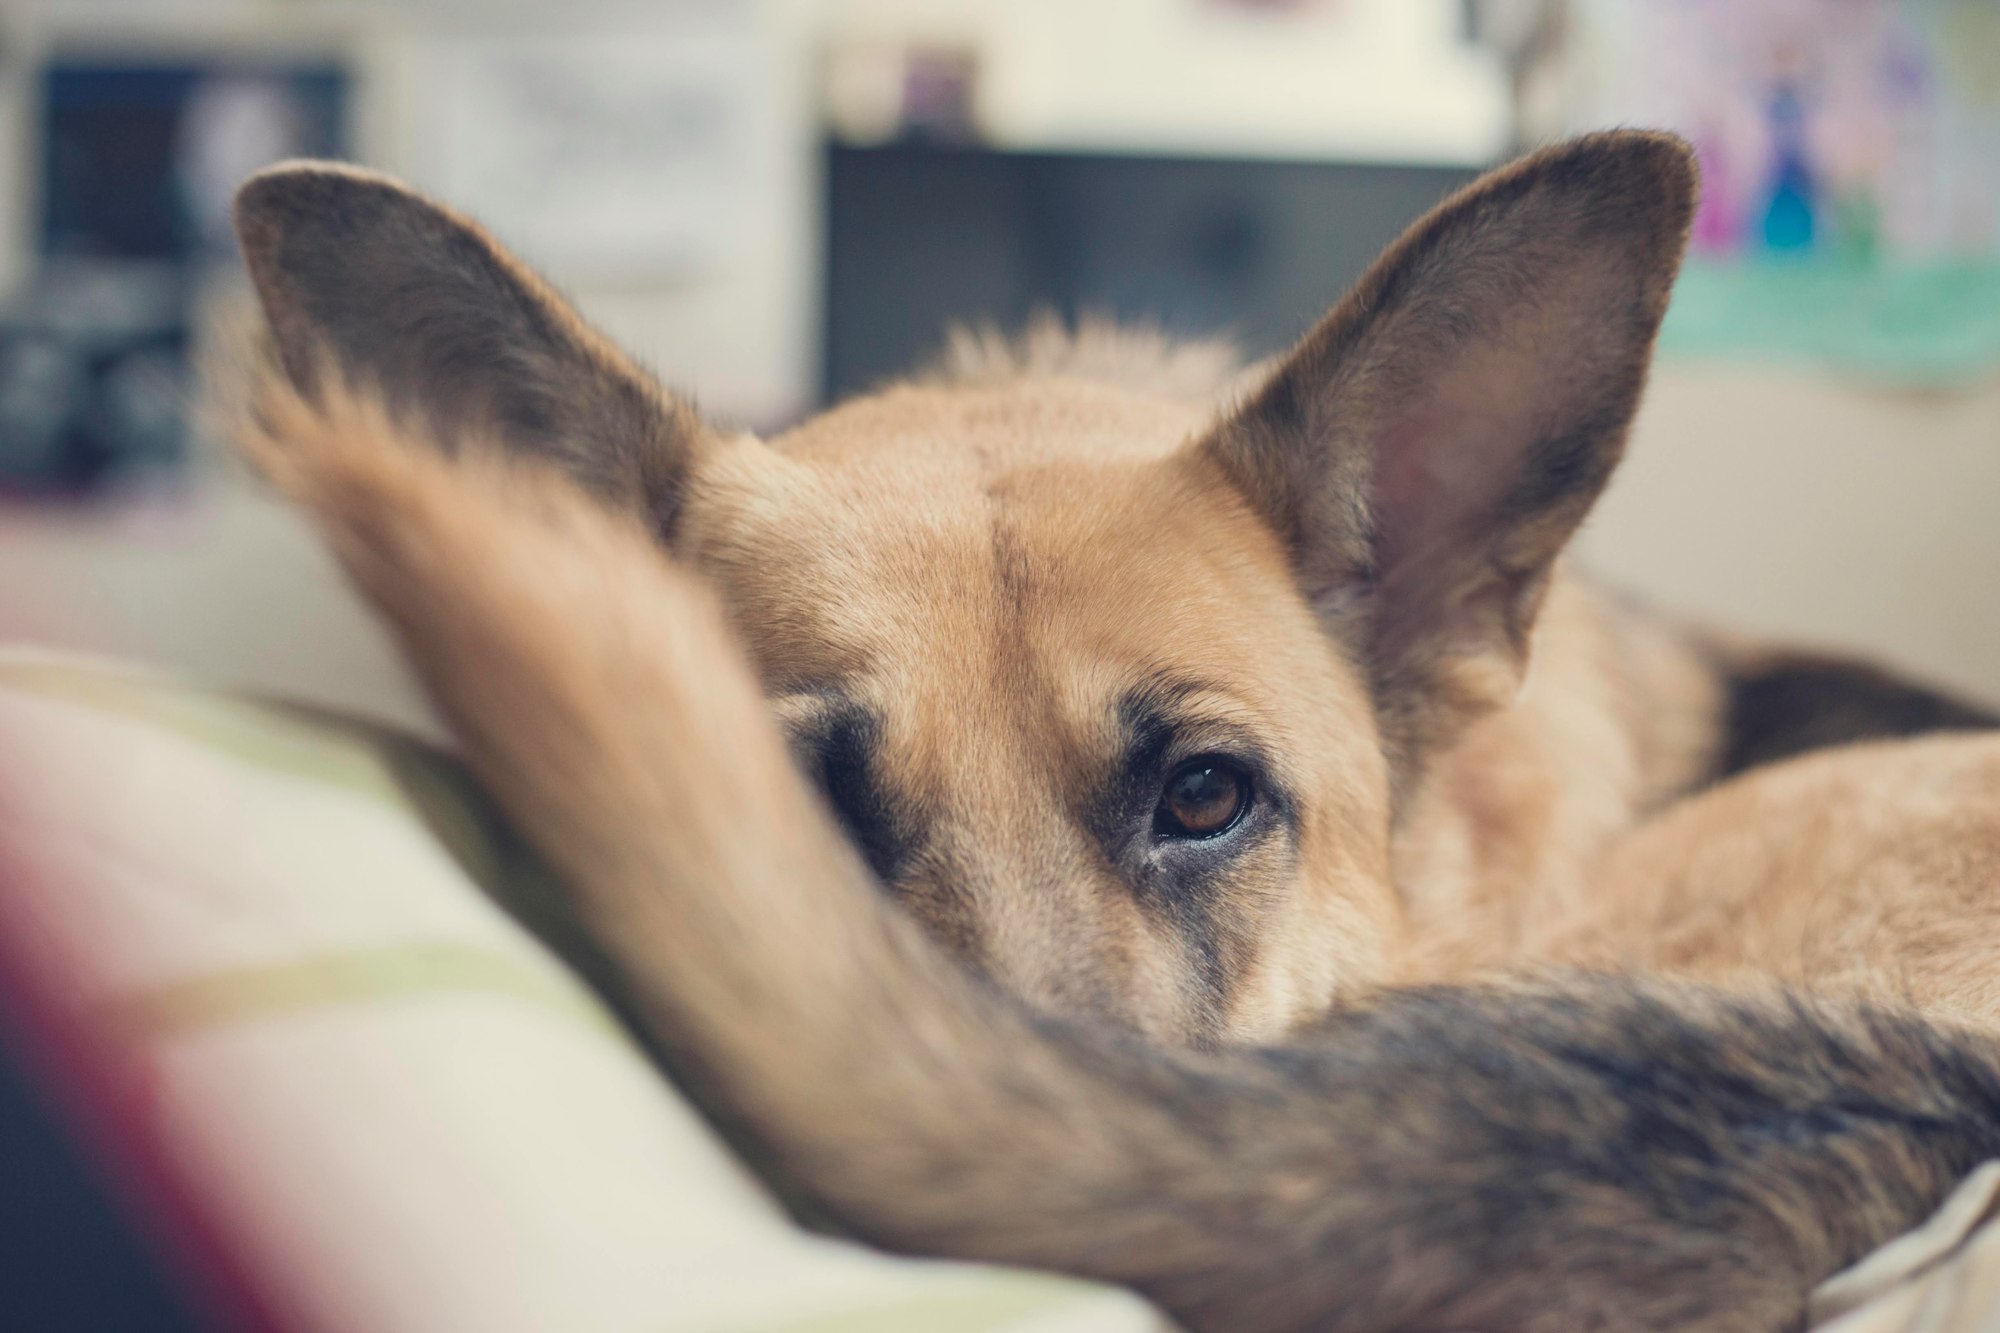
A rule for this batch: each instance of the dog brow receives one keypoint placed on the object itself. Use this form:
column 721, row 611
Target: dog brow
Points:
column 1167, row 703
column 1170, row 684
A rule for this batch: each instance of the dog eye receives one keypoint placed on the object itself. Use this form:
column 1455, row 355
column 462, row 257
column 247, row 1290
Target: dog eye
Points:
column 1204, row 798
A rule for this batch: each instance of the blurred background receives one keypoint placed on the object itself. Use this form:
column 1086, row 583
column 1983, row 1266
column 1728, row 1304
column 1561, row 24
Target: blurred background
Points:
column 780, row 202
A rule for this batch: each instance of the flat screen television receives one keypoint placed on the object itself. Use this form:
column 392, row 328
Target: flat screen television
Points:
column 919, row 235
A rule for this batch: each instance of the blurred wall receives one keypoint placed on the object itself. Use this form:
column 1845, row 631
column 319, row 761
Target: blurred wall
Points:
column 1829, row 512
column 1782, row 500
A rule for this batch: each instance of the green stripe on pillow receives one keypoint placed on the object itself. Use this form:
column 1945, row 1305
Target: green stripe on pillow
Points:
column 269, row 736
column 393, row 973
column 985, row 1303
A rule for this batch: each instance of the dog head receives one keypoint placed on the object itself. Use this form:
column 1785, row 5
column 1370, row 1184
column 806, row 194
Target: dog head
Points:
column 1116, row 688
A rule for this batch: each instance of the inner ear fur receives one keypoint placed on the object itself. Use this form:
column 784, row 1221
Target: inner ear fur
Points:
column 403, row 297
column 1427, row 450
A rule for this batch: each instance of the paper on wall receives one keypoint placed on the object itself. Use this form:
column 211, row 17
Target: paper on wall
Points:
column 603, row 155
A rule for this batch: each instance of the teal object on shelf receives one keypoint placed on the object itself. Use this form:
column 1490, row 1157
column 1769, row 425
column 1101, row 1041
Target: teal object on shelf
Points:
column 1933, row 325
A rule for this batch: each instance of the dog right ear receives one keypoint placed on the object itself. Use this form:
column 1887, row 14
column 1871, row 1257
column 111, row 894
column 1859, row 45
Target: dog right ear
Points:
column 1427, row 450
column 399, row 296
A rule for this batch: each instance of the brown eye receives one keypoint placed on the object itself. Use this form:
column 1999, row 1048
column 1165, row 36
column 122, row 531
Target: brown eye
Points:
column 1204, row 797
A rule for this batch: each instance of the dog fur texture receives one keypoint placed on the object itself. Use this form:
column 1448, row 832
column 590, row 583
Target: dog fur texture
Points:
column 851, row 746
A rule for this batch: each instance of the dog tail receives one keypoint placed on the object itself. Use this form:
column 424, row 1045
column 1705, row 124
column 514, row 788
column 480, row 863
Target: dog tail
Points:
column 1778, row 703
column 1565, row 1156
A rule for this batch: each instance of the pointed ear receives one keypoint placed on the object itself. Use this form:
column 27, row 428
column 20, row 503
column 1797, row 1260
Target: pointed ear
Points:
column 1428, row 449
column 405, row 298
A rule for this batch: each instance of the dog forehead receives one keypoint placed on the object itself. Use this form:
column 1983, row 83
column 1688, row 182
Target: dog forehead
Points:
column 1069, row 578
column 930, row 494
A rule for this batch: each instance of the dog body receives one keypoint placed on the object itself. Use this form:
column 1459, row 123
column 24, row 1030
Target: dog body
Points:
column 1127, row 708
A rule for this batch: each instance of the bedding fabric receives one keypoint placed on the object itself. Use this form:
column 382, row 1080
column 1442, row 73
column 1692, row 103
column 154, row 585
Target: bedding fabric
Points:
column 274, row 966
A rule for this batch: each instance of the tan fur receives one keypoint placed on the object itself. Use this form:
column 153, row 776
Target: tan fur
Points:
column 1873, row 870
column 1506, row 834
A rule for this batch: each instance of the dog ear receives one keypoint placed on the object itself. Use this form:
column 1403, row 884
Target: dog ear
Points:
column 399, row 296
column 1428, row 449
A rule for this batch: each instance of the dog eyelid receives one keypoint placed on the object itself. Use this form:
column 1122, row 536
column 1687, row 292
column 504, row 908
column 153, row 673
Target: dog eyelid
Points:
column 805, row 715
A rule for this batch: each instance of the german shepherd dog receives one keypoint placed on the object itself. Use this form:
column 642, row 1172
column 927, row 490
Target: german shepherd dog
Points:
column 1184, row 831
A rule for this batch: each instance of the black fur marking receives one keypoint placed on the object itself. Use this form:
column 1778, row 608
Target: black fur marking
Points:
column 836, row 746
column 410, row 302
column 1796, row 704
column 1184, row 881
column 1124, row 825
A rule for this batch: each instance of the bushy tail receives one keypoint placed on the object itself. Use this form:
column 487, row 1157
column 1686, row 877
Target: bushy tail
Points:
column 1566, row 1156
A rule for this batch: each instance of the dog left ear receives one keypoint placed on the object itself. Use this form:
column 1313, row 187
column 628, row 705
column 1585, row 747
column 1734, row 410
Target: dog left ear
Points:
column 402, row 297
column 1427, row 451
